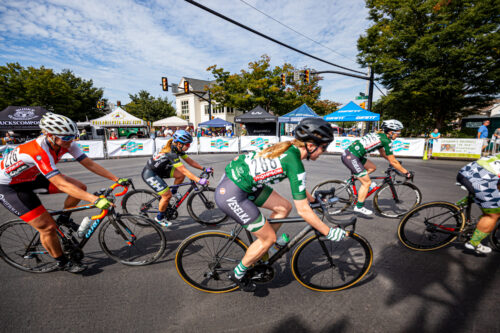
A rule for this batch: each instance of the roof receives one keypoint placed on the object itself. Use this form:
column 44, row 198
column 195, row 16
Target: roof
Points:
column 295, row 116
column 256, row 115
column 118, row 118
column 196, row 85
column 352, row 112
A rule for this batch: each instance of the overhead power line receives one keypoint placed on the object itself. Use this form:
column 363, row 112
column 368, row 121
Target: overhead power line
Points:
column 297, row 32
column 267, row 37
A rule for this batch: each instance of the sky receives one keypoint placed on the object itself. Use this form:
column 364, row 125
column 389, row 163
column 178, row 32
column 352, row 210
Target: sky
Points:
column 125, row 46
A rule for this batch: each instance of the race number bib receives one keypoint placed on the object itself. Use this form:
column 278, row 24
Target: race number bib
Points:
column 370, row 140
column 12, row 165
column 263, row 168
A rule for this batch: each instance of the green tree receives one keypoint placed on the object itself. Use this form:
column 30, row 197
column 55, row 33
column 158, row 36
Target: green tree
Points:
column 62, row 93
column 146, row 107
column 438, row 58
column 261, row 85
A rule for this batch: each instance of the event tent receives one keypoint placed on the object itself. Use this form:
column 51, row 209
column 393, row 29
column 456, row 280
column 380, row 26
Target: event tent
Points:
column 171, row 121
column 259, row 122
column 21, row 117
column 216, row 122
column 119, row 118
column 352, row 112
column 298, row 114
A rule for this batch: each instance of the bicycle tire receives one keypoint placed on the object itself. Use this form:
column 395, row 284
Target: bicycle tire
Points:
column 142, row 244
column 351, row 259
column 197, row 263
column 343, row 192
column 141, row 202
column 408, row 194
column 495, row 238
column 15, row 236
column 415, row 235
column 202, row 208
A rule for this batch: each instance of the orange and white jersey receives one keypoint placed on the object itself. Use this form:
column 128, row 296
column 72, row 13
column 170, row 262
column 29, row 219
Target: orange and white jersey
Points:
column 29, row 159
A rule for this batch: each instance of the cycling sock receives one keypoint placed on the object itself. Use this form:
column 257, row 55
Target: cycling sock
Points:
column 240, row 270
column 61, row 260
column 477, row 237
column 160, row 216
column 360, row 204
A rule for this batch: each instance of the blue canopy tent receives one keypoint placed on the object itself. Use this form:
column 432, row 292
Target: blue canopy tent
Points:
column 352, row 112
column 298, row 114
column 216, row 122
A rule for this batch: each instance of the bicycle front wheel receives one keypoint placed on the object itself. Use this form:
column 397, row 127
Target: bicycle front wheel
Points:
column 205, row 260
column 202, row 208
column 323, row 265
column 398, row 200
column 20, row 247
column 495, row 238
column 141, row 202
column 132, row 239
column 431, row 226
column 342, row 191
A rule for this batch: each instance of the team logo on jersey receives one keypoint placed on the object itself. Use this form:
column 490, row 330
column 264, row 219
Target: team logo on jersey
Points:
column 219, row 144
column 343, row 144
column 38, row 157
column 222, row 190
column 259, row 142
column 399, row 145
column 132, row 147
column 23, row 114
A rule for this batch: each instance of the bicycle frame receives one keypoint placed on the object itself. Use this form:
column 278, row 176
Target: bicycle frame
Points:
column 387, row 179
column 465, row 206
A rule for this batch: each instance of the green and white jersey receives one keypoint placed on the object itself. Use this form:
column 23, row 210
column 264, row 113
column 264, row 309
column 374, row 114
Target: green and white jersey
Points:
column 491, row 163
column 369, row 143
column 250, row 172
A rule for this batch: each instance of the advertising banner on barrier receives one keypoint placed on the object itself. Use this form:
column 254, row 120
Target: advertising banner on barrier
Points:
column 470, row 148
column 256, row 142
column 407, row 147
column 340, row 144
column 219, row 144
column 4, row 150
column 93, row 149
column 130, row 147
column 160, row 142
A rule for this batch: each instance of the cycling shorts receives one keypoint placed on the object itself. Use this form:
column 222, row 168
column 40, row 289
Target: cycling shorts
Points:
column 483, row 184
column 235, row 203
column 154, row 181
column 21, row 198
column 354, row 163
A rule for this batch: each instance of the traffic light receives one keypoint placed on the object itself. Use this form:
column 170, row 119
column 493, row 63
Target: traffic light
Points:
column 164, row 84
column 363, row 104
column 283, row 79
column 186, row 87
column 306, row 76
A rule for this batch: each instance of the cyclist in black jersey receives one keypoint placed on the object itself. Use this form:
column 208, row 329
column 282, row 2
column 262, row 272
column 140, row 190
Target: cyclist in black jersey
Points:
column 167, row 164
column 244, row 188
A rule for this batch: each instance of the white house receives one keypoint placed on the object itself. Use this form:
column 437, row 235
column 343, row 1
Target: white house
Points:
column 195, row 109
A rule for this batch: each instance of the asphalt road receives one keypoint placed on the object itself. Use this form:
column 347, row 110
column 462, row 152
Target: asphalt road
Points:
column 405, row 291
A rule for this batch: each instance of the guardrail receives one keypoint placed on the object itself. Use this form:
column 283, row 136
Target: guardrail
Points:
column 411, row 147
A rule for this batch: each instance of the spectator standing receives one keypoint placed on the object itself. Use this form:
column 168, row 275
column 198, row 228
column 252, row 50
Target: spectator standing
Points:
column 496, row 139
column 482, row 133
column 229, row 133
column 113, row 135
column 8, row 139
column 84, row 135
column 433, row 137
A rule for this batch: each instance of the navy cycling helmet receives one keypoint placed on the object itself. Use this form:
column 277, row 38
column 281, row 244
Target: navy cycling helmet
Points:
column 183, row 137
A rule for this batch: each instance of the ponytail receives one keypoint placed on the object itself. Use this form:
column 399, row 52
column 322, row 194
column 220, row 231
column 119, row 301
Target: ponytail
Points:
column 279, row 148
column 167, row 148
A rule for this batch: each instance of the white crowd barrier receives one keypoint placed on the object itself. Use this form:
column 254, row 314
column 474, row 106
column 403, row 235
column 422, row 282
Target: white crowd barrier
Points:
column 250, row 143
column 218, row 145
column 93, row 149
column 130, row 147
column 160, row 142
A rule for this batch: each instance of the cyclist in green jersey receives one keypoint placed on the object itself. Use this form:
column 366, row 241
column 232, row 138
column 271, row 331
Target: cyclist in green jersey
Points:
column 354, row 158
column 244, row 188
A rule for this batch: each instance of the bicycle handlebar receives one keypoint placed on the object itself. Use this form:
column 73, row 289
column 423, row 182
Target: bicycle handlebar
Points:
column 105, row 193
column 323, row 198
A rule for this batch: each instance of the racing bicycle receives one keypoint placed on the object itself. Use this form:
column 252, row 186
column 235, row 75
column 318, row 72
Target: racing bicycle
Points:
column 393, row 198
column 129, row 239
column 200, row 204
column 204, row 260
column 436, row 224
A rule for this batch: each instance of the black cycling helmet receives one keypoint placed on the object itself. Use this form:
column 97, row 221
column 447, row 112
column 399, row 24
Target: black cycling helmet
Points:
column 315, row 130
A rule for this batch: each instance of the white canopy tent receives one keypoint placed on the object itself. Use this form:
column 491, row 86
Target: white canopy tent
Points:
column 171, row 121
column 119, row 118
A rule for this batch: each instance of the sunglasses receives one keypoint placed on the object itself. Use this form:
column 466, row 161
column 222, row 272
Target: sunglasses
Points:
column 66, row 138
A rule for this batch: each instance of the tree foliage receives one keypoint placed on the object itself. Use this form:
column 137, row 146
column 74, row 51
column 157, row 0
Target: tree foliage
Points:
column 261, row 85
column 62, row 93
column 146, row 107
column 438, row 58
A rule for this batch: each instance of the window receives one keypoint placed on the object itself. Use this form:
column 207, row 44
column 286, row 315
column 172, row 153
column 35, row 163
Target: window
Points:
column 185, row 107
column 206, row 109
column 230, row 110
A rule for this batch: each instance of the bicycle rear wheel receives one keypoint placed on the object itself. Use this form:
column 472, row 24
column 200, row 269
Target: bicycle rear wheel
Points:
column 323, row 265
column 132, row 240
column 205, row 260
column 20, row 247
column 495, row 238
column 342, row 191
column 141, row 202
column 202, row 208
column 408, row 195
column 431, row 226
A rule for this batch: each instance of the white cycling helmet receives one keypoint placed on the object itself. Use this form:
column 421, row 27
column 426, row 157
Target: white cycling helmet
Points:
column 392, row 125
column 58, row 124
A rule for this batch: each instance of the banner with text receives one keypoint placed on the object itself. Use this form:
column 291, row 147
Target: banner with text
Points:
column 340, row 144
column 218, row 145
column 93, row 149
column 130, row 147
column 256, row 142
column 160, row 142
column 470, row 148
column 407, row 147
